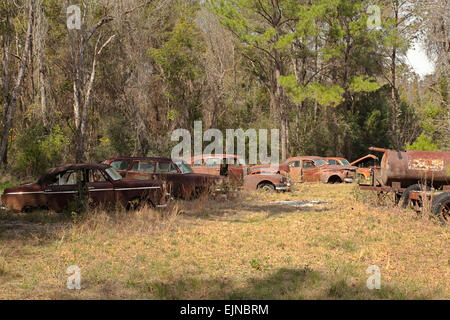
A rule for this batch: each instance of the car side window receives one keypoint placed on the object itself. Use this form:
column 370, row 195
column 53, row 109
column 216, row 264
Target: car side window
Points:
column 308, row 164
column 212, row 162
column 294, row 164
column 147, row 166
column 68, row 178
column 163, row 167
column 96, row 176
column 120, row 165
column 197, row 163
column 135, row 166
column 333, row 162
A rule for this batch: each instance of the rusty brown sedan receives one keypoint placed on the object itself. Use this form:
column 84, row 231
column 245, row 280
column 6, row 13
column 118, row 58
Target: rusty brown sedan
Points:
column 60, row 186
column 179, row 176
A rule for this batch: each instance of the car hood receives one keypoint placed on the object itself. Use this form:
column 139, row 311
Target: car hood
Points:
column 363, row 158
column 27, row 187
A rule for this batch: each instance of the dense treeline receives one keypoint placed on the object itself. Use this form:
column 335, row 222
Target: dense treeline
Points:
column 137, row 70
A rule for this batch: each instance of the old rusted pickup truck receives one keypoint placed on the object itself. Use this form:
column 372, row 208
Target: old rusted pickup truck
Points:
column 413, row 177
column 61, row 185
column 316, row 169
column 262, row 177
column 182, row 181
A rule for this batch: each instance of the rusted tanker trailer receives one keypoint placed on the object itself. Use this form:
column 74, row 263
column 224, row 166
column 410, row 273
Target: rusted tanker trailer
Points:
column 413, row 177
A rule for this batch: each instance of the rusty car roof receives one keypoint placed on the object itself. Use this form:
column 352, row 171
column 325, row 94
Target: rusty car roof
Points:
column 304, row 158
column 335, row 158
column 218, row 155
column 141, row 158
column 53, row 172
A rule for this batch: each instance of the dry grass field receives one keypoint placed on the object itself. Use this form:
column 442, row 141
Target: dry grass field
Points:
column 242, row 248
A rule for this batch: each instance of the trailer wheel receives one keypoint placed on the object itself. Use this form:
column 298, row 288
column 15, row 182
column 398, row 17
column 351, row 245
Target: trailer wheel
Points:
column 404, row 199
column 441, row 207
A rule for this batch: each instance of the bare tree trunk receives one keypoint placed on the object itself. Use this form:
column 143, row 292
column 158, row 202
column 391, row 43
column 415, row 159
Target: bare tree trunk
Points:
column 81, row 132
column 11, row 104
column 281, row 106
column 393, row 80
column 6, row 49
column 40, row 41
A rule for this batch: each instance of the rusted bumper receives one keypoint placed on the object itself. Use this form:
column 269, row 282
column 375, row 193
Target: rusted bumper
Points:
column 283, row 187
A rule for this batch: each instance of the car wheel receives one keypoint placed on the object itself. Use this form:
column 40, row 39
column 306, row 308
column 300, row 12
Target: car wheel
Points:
column 441, row 207
column 266, row 187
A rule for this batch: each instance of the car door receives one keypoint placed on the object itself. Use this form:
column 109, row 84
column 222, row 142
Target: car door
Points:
column 64, row 190
column 212, row 166
column 141, row 170
column 169, row 172
column 310, row 172
column 295, row 170
column 198, row 166
column 101, row 190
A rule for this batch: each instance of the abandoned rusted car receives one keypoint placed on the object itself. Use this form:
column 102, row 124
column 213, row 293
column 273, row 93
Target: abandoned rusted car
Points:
column 234, row 167
column 60, row 186
column 182, row 181
column 362, row 172
column 262, row 177
column 316, row 169
column 414, row 177
column 267, row 178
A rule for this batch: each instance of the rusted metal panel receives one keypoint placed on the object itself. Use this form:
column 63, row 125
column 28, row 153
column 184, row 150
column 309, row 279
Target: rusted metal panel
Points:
column 413, row 166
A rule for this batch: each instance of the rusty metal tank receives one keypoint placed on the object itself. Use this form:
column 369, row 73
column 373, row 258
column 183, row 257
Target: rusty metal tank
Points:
column 411, row 167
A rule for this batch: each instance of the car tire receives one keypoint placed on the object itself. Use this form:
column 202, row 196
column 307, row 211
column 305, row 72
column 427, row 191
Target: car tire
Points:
column 441, row 207
column 266, row 187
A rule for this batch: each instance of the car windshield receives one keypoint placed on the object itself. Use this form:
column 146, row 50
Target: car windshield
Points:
column 320, row 162
column 113, row 174
column 345, row 162
column 184, row 167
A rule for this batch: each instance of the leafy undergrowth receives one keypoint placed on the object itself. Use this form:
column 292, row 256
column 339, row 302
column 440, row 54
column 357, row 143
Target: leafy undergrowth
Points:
column 241, row 248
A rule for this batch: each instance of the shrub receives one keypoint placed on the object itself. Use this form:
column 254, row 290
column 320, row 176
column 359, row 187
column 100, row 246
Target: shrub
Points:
column 37, row 149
